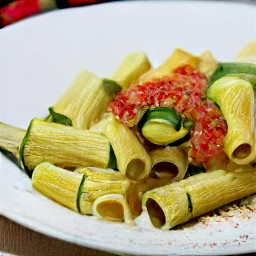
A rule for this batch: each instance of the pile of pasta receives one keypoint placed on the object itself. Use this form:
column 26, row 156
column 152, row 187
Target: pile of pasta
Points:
column 84, row 158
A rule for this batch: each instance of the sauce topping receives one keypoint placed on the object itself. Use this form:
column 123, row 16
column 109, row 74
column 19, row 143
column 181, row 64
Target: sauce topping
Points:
column 185, row 91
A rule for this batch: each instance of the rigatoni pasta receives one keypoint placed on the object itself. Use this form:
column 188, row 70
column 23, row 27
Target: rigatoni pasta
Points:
column 133, row 160
column 169, row 163
column 179, row 202
column 64, row 146
column 235, row 97
column 113, row 207
column 177, row 141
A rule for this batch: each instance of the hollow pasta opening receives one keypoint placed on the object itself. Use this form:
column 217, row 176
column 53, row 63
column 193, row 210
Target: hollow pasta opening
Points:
column 155, row 213
column 164, row 169
column 135, row 169
column 242, row 151
column 111, row 210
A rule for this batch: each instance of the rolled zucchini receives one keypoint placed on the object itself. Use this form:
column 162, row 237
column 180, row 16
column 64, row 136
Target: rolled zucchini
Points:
column 179, row 202
column 63, row 146
column 235, row 97
column 132, row 159
column 246, row 71
column 163, row 126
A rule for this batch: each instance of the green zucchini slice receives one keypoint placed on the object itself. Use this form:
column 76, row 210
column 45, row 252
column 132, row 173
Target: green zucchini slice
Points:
column 163, row 126
column 246, row 71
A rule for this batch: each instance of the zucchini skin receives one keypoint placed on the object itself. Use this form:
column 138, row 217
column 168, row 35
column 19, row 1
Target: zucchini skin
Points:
column 164, row 126
column 167, row 114
column 232, row 68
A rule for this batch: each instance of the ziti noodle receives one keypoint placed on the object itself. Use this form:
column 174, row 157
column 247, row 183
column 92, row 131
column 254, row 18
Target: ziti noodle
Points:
column 175, row 141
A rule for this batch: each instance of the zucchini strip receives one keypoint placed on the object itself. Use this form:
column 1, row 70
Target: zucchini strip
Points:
column 163, row 126
column 244, row 70
column 132, row 159
column 179, row 202
column 63, row 146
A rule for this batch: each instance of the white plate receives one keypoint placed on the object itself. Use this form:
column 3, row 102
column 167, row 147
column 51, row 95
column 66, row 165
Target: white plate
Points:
column 39, row 58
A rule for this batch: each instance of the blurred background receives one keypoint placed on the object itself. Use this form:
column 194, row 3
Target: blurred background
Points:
column 12, row 11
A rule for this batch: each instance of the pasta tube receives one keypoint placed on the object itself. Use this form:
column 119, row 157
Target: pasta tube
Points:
column 11, row 138
column 62, row 145
column 169, row 163
column 79, row 189
column 113, row 207
column 177, row 59
column 132, row 159
column 58, row 184
column 248, row 53
column 208, row 64
column 99, row 182
column 84, row 101
column 131, row 68
column 177, row 203
column 235, row 98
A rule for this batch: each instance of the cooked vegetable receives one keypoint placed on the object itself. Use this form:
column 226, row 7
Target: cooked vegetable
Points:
column 131, row 68
column 235, row 97
column 64, row 146
column 132, row 159
column 179, row 202
column 163, row 126
column 244, row 70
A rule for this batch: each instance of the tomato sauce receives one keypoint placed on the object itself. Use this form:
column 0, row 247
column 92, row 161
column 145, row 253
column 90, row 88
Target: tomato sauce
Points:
column 185, row 91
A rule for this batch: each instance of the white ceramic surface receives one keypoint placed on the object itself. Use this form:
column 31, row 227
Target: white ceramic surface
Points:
column 40, row 56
